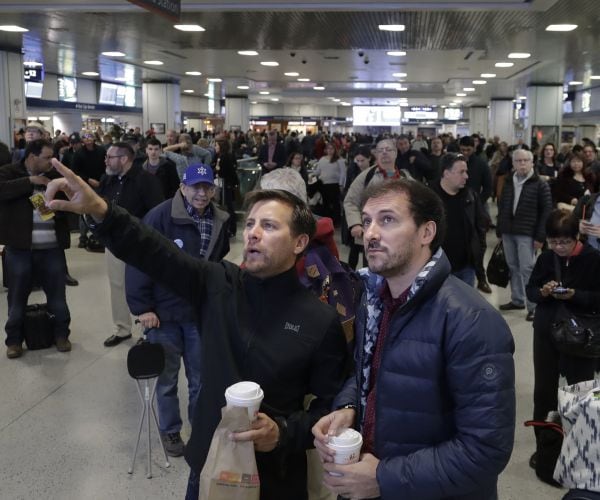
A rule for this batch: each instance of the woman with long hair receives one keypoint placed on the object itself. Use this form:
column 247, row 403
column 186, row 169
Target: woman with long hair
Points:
column 296, row 161
column 331, row 170
column 547, row 167
column 572, row 183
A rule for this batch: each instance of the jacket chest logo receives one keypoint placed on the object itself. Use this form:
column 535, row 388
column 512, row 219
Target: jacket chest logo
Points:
column 291, row 327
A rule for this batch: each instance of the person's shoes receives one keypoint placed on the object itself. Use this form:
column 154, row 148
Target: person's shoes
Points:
column 484, row 286
column 533, row 460
column 511, row 307
column 530, row 315
column 14, row 351
column 114, row 340
column 70, row 281
column 62, row 344
column 173, row 444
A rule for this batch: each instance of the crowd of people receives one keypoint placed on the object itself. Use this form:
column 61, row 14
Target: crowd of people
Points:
column 419, row 211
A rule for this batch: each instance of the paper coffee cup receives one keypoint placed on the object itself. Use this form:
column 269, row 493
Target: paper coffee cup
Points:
column 246, row 395
column 347, row 445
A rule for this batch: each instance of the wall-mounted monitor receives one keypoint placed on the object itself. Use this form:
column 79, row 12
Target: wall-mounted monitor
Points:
column 117, row 95
column 108, row 93
column 375, row 116
column 452, row 114
column 67, row 89
column 34, row 89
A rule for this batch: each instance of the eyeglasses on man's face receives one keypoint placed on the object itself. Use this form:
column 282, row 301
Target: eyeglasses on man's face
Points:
column 560, row 242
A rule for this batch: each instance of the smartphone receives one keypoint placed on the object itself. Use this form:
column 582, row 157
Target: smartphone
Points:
column 559, row 290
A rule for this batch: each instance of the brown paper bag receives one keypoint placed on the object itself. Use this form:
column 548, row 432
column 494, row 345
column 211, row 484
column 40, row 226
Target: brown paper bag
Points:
column 230, row 471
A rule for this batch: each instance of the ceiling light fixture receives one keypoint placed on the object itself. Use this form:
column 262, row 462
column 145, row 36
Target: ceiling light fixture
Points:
column 13, row 28
column 264, row 92
column 396, row 53
column 193, row 73
column 90, row 73
column 253, row 102
column 479, row 82
column 522, row 97
column 215, row 80
column 346, row 104
column 269, row 63
column 488, row 75
column 304, row 79
column 247, row 52
column 392, row 27
column 292, row 73
column 188, row 27
column 595, row 77
column 188, row 91
column 461, row 94
column 206, row 95
column 274, row 99
column 243, row 87
column 399, row 75
column 469, row 89
column 575, row 82
column 154, row 62
column 561, row 27
column 504, row 64
column 113, row 54
column 401, row 89
column 519, row 55
column 120, row 79
column 319, row 87
column 337, row 100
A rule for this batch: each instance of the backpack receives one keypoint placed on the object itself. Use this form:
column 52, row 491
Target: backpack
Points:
column 334, row 282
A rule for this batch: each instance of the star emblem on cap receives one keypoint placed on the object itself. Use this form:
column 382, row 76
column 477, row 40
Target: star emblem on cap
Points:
column 201, row 170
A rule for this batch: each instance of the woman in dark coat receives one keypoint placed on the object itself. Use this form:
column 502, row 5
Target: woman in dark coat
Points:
column 225, row 167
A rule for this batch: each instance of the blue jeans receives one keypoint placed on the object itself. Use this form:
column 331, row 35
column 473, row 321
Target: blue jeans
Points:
column 193, row 486
column 50, row 269
column 179, row 340
column 520, row 257
column 466, row 274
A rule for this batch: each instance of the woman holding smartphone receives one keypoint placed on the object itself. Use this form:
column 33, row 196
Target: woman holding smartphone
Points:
column 567, row 273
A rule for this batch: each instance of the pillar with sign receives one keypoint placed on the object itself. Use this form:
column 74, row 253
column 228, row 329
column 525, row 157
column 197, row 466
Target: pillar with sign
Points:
column 501, row 122
column 237, row 116
column 543, row 114
column 161, row 108
column 12, row 94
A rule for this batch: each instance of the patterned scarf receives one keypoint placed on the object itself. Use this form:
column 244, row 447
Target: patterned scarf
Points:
column 374, row 285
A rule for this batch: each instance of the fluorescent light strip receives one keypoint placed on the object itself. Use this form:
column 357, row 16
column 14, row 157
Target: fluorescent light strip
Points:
column 519, row 55
column 396, row 53
column 188, row 27
column 269, row 63
column 392, row 27
column 11, row 28
column 561, row 27
column 488, row 75
column 503, row 64
column 113, row 54
column 247, row 52
column 193, row 73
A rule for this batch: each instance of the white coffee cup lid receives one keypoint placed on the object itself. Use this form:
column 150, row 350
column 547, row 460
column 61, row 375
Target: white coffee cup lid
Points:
column 348, row 437
column 244, row 390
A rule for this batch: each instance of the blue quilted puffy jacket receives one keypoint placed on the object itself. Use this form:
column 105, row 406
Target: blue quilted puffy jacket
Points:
column 445, row 406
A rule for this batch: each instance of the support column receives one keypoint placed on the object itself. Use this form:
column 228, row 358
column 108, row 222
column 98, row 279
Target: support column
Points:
column 478, row 120
column 543, row 114
column 501, row 120
column 589, row 131
column 161, row 105
column 12, row 94
column 237, row 113
column 67, row 122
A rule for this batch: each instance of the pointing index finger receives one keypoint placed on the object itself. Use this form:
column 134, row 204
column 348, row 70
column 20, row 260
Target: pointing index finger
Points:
column 62, row 169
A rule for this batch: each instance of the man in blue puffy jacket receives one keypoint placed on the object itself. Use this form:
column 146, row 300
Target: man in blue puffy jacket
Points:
column 433, row 395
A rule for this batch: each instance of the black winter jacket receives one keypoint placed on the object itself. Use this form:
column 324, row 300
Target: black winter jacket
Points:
column 273, row 331
column 16, row 210
column 535, row 204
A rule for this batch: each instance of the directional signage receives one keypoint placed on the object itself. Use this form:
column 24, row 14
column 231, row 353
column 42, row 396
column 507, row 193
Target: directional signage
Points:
column 171, row 9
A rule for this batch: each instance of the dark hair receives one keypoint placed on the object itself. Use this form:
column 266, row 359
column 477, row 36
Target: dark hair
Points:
column 402, row 136
column 467, row 141
column 224, row 147
column 335, row 157
column 124, row 148
column 567, row 172
column 366, row 152
column 153, row 141
column 545, row 146
column 449, row 159
column 562, row 224
column 288, row 163
column 35, row 147
column 424, row 204
column 302, row 221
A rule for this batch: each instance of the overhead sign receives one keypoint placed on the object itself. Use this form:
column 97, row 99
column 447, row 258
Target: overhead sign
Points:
column 33, row 74
column 421, row 115
column 170, row 9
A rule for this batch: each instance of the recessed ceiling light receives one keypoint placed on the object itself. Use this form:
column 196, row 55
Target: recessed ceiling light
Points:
column 479, row 82
column 396, row 53
column 488, row 75
column 402, row 89
column 215, row 80
column 13, row 28
column 189, row 27
column 392, row 27
column 346, row 104
column 253, row 102
column 469, row 89
column 575, row 82
column 319, row 87
column 247, row 52
column 193, row 73
column 522, row 97
column 399, row 75
column 337, row 100
column 275, row 99
column 519, row 55
column 264, row 92
column 113, row 54
column 595, row 77
column 153, row 62
column 188, row 91
column 461, row 94
column 292, row 73
column 561, row 27
column 504, row 64
column 243, row 87
column 90, row 73
column 304, row 79
column 206, row 95
column 269, row 63
column 120, row 79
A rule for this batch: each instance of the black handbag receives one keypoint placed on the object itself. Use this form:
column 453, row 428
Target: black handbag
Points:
column 576, row 334
column 497, row 269
column 549, row 438
column 38, row 327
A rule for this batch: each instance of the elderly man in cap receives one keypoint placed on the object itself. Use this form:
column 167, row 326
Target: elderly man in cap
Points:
column 199, row 228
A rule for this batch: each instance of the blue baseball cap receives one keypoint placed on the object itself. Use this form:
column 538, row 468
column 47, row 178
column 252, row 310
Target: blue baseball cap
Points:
column 198, row 172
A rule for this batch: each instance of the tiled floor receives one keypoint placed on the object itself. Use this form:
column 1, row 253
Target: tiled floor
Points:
column 68, row 421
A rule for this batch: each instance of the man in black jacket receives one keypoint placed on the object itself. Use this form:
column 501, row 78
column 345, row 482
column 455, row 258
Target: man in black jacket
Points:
column 35, row 245
column 465, row 219
column 259, row 323
column 413, row 161
column 163, row 168
column 137, row 192
column 523, row 207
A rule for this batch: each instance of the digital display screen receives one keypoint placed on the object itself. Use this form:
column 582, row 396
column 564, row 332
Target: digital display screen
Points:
column 108, row 94
column 452, row 114
column 117, row 95
column 371, row 116
column 34, row 89
column 67, row 89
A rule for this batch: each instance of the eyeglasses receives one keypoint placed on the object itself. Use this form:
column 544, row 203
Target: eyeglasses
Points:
column 560, row 243
column 385, row 150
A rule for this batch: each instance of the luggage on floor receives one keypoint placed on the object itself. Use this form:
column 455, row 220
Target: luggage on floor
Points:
column 38, row 327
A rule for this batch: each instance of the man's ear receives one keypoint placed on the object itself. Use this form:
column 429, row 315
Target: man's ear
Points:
column 301, row 243
column 428, row 231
